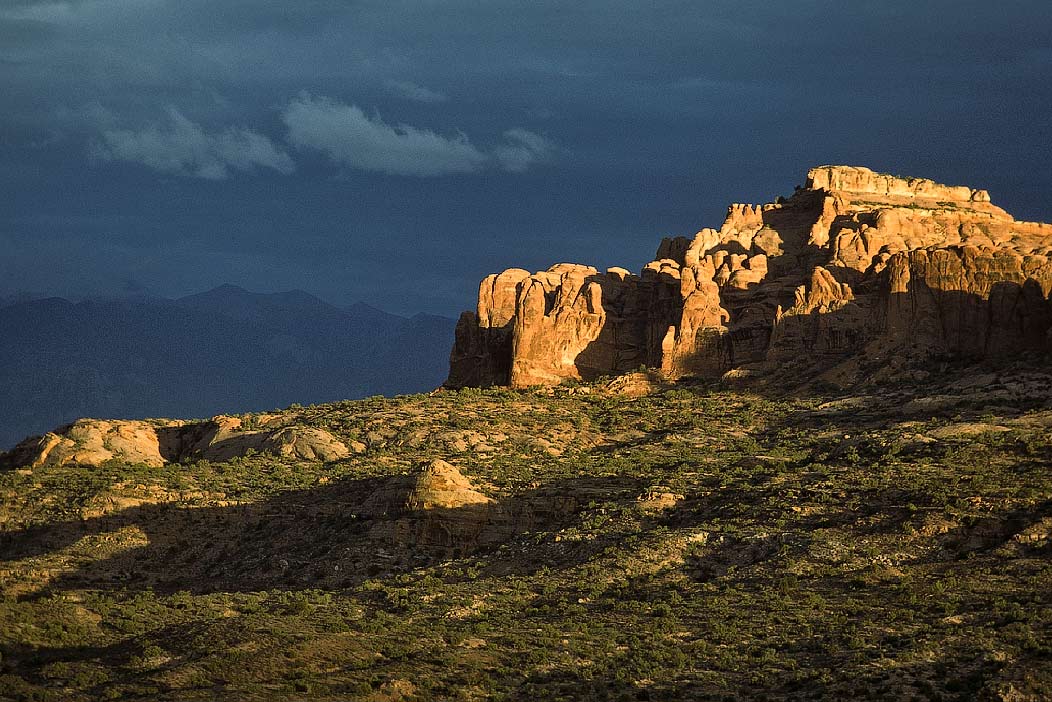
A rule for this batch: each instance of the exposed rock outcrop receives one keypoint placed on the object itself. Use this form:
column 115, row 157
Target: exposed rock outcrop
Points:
column 435, row 506
column 855, row 266
column 434, row 485
column 157, row 442
column 95, row 441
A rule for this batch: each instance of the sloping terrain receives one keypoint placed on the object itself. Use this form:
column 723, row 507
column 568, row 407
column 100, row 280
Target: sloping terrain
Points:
column 580, row 542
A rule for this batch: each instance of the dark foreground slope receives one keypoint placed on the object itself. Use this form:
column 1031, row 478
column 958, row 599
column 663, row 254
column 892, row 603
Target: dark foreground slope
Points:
column 225, row 350
column 582, row 544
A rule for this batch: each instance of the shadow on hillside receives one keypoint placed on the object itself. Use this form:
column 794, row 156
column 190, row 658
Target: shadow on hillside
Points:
column 822, row 677
column 884, row 512
column 322, row 537
column 1023, row 527
column 820, row 657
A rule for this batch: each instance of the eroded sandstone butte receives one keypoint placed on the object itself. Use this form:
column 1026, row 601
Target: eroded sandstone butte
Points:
column 856, row 275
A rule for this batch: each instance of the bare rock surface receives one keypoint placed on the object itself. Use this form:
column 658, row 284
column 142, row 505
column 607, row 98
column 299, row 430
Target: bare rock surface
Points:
column 433, row 485
column 157, row 442
column 857, row 275
column 306, row 443
column 95, row 441
column 434, row 506
column 637, row 384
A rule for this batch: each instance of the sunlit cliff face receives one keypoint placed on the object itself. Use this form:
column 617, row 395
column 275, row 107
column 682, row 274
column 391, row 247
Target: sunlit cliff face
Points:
column 857, row 263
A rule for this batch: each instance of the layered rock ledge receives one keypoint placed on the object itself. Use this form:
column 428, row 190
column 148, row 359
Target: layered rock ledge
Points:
column 857, row 274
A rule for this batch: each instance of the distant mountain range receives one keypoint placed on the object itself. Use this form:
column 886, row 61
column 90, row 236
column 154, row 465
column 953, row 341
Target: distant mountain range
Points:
column 225, row 350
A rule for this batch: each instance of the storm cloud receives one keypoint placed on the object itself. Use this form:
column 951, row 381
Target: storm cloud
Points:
column 276, row 145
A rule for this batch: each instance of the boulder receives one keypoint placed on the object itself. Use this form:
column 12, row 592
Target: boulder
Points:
column 434, row 485
column 305, row 444
column 155, row 443
column 434, row 507
column 94, row 442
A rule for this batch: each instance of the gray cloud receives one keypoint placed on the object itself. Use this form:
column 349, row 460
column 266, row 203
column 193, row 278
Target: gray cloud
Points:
column 522, row 150
column 414, row 92
column 350, row 137
column 182, row 147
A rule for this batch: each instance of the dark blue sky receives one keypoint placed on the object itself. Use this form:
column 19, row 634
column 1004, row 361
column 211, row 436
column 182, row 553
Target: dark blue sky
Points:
column 395, row 152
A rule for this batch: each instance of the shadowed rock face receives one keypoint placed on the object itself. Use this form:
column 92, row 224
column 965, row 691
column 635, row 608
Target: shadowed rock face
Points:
column 855, row 266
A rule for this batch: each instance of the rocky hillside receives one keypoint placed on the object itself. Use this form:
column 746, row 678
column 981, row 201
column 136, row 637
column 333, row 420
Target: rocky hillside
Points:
column 630, row 540
column 857, row 276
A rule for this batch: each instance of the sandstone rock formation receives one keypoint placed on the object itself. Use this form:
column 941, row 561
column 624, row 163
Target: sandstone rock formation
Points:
column 855, row 270
column 157, row 442
column 434, row 485
column 305, row 444
column 434, row 506
column 95, row 441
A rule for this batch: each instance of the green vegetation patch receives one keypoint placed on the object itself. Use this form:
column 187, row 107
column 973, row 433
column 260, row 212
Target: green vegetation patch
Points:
column 697, row 543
